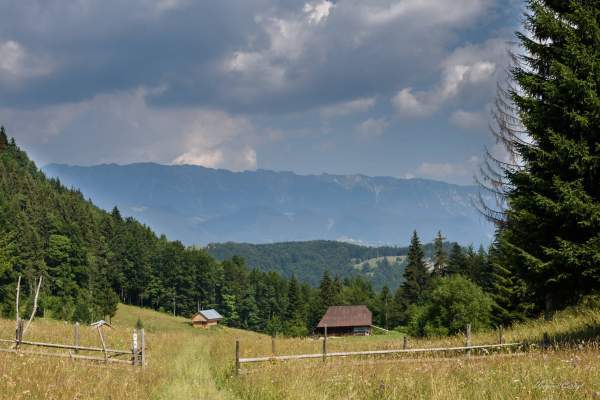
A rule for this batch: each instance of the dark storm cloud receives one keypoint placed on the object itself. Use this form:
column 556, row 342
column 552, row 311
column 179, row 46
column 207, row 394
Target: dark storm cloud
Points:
column 311, row 85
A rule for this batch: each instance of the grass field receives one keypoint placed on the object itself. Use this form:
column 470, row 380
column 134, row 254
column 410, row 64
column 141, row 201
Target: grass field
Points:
column 186, row 363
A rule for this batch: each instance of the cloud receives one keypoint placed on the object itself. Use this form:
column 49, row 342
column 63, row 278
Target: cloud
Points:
column 429, row 12
column 471, row 120
column 372, row 127
column 454, row 172
column 123, row 128
column 17, row 64
column 348, row 107
column 465, row 71
column 408, row 105
column 317, row 12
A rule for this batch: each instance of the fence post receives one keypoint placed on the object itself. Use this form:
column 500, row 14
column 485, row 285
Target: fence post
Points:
column 143, row 347
column 501, row 335
column 273, row 349
column 135, row 347
column 468, row 338
column 237, row 356
column 19, row 334
column 405, row 343
column 325, row 345
column 76, row 336
column 546, row 342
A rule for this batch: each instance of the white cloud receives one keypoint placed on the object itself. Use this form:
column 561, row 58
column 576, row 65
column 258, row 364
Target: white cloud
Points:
column 348, row 107
column 453, row 172
column 16, row 63
column 472, row 120
column 467, row 68
column 372, row 127
column 408, row 105
column 122, row 127
column 318, row 12
column 431, row 12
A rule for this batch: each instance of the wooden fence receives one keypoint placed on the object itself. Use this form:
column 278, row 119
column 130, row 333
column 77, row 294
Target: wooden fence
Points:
column 136, row 356
column 325, row 354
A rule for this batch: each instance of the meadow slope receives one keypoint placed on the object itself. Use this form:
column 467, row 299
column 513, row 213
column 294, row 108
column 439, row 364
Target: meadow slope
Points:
column 186, row 363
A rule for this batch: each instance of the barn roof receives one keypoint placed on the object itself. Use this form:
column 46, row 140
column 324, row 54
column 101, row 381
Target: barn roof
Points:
column 338, row 316
column 210, row 315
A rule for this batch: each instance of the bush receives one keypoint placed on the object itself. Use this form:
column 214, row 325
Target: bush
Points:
column 452, row 304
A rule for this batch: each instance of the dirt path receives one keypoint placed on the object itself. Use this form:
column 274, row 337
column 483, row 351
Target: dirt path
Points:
column 191, row 374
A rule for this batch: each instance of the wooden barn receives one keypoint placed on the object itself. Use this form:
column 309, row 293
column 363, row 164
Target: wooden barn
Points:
column 346, row 320
column 206, row 318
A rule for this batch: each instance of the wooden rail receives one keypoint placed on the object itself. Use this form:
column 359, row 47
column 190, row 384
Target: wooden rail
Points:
column 137, row 355
column 374, row 352
column 467, row 348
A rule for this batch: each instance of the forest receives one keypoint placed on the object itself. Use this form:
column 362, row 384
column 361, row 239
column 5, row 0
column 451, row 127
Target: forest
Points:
column 91, row 260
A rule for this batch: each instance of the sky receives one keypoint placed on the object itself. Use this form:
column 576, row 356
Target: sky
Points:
column 399, row 88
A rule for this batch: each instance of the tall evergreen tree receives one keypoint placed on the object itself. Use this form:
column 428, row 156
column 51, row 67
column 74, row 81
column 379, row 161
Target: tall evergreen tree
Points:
column 440, row 257
column 416, row 276
column 551, row 233
column 457, row 262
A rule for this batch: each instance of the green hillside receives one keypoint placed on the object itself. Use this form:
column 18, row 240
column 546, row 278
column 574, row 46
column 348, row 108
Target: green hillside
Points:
column 309, row 260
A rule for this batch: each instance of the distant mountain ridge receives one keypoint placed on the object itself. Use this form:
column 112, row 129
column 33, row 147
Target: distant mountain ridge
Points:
column 199, row 205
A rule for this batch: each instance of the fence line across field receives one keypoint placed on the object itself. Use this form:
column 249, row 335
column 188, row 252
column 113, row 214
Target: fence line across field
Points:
column 375, row 352
column 468, row 348
column 137, row 353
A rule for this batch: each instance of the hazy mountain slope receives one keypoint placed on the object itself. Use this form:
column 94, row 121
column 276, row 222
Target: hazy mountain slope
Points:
column 200, row 205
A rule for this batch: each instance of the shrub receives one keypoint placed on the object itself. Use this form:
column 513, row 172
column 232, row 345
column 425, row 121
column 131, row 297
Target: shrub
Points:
column 452, row 304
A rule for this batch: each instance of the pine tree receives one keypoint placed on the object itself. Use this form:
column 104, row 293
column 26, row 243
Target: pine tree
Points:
column 552, row 229
column 457, row 262
column 385, row 305
column 294, row 304
column 439, row 255
column 416, row 276
column 3, row 139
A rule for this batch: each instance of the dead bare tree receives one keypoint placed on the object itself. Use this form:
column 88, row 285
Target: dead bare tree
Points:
column 494, row 172
column 35, row 305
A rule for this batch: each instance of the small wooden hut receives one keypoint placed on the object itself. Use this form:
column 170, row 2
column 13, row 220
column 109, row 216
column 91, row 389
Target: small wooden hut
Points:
column 346, row 320
column 206, row 318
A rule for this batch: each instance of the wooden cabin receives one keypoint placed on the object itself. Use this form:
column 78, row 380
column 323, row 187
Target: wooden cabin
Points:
column 206, row 318
column 346, row 320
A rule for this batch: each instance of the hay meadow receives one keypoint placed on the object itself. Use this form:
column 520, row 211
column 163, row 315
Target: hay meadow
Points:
column 188, row 363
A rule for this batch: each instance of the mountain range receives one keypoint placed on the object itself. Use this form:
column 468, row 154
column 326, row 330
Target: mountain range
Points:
column 199, row 205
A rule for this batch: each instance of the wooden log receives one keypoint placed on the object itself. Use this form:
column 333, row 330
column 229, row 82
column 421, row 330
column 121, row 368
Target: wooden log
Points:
column 76, row 335
column 64, row 355
column 17, row 300
column 143, row 361
column 35, row 306
column 237, row 356
column 68, row 346
column 99, row 328
column 325, row 345
column 546, row 341
column 273, row 349
column 468, row 339
column 405, row 343
column 377, row 352
column 135, row 347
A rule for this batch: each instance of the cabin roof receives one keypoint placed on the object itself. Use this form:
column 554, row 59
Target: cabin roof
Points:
column 343, row 316
column 210, row 315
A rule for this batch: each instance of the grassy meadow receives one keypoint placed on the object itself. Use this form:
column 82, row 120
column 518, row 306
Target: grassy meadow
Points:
column 187, row 363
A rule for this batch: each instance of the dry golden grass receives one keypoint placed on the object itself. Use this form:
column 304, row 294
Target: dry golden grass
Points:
column 570, row 372
column 168, row 340
column 187, row 363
